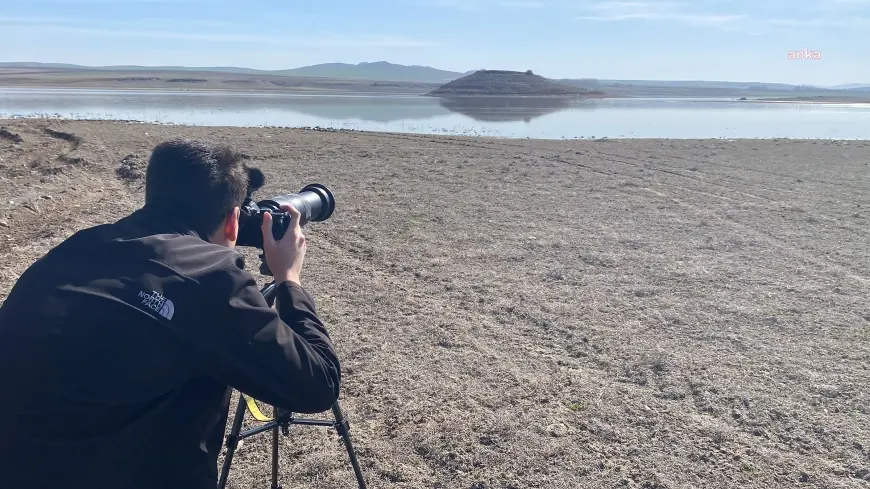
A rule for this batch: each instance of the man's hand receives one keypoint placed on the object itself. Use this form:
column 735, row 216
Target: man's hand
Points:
column 285, row 257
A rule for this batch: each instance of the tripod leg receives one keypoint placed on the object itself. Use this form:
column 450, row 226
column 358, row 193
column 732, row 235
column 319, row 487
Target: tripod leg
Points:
column 343, row 429
column 232, row 442
column 275, row 451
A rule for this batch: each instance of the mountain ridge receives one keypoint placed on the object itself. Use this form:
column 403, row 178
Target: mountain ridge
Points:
column 377, row 70
column 383, row 71
column 371, row 71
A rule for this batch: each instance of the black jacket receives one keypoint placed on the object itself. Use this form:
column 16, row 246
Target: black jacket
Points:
column 118, row 350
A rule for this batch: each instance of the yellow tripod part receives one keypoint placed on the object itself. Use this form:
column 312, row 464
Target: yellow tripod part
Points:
column 255, row 410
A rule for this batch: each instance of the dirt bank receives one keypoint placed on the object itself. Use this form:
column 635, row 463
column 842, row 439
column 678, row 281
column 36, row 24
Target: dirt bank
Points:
column 554, row 314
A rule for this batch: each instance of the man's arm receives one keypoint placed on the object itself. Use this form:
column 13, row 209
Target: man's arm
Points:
column 284, row 358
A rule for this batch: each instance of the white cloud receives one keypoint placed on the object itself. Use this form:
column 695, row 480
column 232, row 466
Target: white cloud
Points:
column 126, row 23
column 32, row 20
column 523, row 4
column 847, row 4
column 123, row 2
column 53, row 25
column 841, row 9
column 616, row 11
column 825, row 22
column 696, row 19
column 729, row 20
column 484, row 5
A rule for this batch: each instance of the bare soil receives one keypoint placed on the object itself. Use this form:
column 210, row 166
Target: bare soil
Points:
column 555, row 314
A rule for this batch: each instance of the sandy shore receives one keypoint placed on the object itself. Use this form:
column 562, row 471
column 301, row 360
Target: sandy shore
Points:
column 554, row 314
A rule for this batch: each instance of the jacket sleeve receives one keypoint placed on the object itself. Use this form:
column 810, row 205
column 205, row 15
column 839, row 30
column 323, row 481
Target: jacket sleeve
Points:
column 284, row 358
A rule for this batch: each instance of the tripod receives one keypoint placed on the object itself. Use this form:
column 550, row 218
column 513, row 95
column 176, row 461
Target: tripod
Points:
column 282, row 421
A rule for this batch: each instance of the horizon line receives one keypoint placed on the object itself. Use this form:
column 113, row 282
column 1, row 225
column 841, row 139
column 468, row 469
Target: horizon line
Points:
column 272, row 71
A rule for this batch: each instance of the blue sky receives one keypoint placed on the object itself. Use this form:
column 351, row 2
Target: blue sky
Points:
column 705, row 39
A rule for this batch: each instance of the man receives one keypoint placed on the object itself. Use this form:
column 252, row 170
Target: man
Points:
column 117, row 348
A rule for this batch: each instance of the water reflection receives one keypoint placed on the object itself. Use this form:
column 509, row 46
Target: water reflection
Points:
column 511, row 109
column 144, row 104
column 517, row 117
column 368, row 109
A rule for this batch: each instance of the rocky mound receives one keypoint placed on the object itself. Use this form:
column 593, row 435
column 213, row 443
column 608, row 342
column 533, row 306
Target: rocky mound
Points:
column 501, row 83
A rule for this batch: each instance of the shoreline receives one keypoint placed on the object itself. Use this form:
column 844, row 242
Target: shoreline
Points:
column 811, row 102
column 339, row 92
column 845, row 101
column 506, row 139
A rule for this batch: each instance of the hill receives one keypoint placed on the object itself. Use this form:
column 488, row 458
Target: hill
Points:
column 376, row 71
column 199, row 80
column 687, row 84
column 64, row 66
column 676, row 88
column 852, row 86
column 501, row 83
column 380, row 70
column 383, row 71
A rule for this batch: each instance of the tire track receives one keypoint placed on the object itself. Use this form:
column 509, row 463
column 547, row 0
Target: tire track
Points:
column 75, row 141
column 593, row 153
column 799, row 253
column 672, row 171
column 732, row 190
column 752, row 170
column 499, row 146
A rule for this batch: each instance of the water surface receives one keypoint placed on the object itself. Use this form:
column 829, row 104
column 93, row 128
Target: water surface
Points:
column 504, row 117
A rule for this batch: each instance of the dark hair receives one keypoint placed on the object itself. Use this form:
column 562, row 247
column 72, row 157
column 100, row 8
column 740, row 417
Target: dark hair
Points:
column 196, row 181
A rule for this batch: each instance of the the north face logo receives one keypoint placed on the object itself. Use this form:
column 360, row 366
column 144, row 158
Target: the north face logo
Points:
column 158, row 303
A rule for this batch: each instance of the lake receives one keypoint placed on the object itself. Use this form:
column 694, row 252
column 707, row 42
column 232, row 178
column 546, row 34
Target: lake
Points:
column 511, row 117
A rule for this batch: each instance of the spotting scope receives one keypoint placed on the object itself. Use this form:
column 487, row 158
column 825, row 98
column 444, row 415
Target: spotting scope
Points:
column 314, row 202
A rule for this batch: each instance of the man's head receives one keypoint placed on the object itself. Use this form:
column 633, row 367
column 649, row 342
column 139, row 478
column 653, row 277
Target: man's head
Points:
column 201, row 183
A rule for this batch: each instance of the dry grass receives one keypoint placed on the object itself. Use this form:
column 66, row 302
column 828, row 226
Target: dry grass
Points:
column 512, row 314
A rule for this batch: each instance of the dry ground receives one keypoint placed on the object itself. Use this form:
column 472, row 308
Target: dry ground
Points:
column 511, row 314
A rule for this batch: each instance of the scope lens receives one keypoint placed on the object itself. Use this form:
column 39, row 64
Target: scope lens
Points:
column 314, row 202
column 327, row 200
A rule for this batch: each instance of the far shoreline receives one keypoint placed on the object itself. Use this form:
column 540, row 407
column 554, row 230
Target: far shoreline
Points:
column 294, row 91
column 508, row 140
column 297, row 91
column 324, row 91
column 813, row 100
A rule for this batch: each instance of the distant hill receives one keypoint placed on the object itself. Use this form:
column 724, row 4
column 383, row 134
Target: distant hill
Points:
column 506, row 83
column 852, row 86
column 28, row 65
column 63, row 66
column 689, row 88
column 376, row 71
column 383, row 71
column 593, row 82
